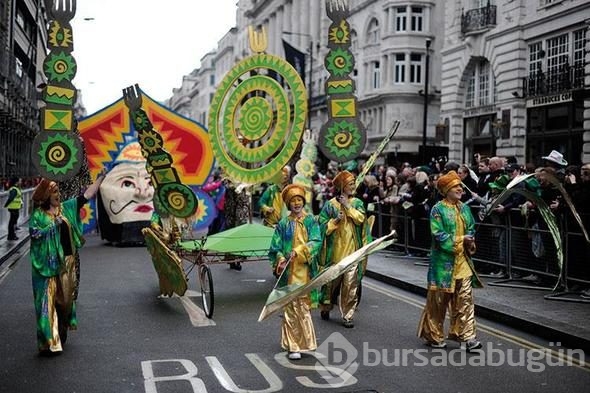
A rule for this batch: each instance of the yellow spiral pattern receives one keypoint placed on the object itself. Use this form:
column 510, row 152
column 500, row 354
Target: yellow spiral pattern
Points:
column 177, row 200
column 56, row 154
column 60, row 67
column 343, row 139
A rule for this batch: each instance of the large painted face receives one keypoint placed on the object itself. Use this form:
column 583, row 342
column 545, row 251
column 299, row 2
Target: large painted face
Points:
column 127, row 193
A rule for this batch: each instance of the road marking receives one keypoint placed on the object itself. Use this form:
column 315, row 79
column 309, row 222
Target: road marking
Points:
column 274, row 382
column 195, row 314
column 560, row 355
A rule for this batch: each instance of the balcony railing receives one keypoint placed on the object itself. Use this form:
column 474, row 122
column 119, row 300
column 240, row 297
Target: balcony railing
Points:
column 478, row 19
column 564, row 79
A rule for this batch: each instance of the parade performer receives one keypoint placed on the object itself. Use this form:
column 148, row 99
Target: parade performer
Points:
column 270, row 203
column 344, row 226
column 451, row 275
column 56, row 235
column 13, row 204
column 293, row 256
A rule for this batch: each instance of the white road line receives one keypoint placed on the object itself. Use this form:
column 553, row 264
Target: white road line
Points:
column 195, row 314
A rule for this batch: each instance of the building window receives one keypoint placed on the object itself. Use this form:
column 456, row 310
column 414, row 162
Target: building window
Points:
column 373, row 32
column 484, row 83
column 480, row 85
column 417, row 18
column 557, row 52
column 401, row 17
column 354, row 45
column 18, row 67
column 415, row 68
column 470, row 96
column 400, row 68
column 579, row 41
column 556, row 64
column 20, row 19
column 212, row 80
column 376, row 77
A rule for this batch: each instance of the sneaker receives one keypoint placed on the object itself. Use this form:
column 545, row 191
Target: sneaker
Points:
column 348, row 324
column 294, row 355
column 441, row 344
column 585, row 294
column 325, row 315
column 472, row 345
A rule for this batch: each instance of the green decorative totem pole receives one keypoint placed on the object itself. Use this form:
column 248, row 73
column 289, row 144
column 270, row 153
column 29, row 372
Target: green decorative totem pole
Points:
column 57, row 150
column 255, row 121
column 342, row 138
column 171, row 195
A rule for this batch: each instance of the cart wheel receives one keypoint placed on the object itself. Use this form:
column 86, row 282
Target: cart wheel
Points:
column 206, row 281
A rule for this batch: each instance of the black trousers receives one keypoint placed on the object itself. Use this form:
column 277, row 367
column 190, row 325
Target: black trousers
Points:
column 12, row 221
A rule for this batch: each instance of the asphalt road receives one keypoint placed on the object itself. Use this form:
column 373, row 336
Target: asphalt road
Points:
column 131, row 340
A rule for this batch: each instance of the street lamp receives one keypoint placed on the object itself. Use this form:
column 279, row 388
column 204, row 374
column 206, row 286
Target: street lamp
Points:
column 310, row 71
column 425, row 118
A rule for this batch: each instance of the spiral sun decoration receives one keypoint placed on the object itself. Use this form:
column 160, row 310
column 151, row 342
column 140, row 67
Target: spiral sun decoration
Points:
column 57, row 151
column 256, row 122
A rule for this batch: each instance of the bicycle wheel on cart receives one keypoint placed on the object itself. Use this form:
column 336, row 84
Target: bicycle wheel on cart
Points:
column 207, row 294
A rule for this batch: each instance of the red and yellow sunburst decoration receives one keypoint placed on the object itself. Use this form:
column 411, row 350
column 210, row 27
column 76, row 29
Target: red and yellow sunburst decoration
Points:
column 188, row 141
column 104, row 134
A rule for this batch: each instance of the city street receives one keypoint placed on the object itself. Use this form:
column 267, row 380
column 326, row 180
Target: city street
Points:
column 131, row 340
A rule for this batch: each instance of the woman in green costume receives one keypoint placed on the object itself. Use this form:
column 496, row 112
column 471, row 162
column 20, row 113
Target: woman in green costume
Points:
column 451, row 275
column 56, row 234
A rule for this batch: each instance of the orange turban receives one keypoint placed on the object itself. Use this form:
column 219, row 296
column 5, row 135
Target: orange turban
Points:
column 292, row 190
column 43, row 191
column 342, row 179
column 448, row 181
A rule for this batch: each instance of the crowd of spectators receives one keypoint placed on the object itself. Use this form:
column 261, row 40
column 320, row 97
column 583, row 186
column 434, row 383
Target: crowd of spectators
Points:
column 26, row 182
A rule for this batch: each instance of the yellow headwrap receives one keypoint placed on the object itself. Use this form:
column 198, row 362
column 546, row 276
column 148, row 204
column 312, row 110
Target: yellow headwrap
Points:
column 342, row 179
column 292, row 190
column 448, row 181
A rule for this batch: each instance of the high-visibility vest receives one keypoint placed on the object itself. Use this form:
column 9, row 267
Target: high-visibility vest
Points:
column 17, row 202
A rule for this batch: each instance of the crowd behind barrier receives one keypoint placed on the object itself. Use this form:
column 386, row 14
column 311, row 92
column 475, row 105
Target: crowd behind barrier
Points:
column 510, row 250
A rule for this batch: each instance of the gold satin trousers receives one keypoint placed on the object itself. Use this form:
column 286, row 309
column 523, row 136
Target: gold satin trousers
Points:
column 461, row 309
column 297, row 331
column 60, row 302
column 346, row 288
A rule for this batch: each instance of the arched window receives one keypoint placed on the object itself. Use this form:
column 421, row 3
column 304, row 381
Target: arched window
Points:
column 373, row 32
column 480, row 86
column 354, row 44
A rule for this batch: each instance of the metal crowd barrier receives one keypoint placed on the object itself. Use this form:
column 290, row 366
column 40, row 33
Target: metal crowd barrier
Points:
column 509, row 248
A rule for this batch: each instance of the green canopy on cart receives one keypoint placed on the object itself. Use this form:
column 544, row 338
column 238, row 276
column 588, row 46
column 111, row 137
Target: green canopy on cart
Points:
column 245, row 240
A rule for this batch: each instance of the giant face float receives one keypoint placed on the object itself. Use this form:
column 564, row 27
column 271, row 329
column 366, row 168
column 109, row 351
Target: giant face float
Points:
column 125, row 202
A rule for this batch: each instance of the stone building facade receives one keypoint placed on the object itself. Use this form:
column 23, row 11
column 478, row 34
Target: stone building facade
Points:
column 23, row 38
column 514, row 77
column 506, row 77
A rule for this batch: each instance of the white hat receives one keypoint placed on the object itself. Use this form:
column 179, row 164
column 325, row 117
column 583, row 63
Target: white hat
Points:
column 555, row 157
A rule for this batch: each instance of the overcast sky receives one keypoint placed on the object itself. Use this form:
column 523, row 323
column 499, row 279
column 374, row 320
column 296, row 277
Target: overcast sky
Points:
column 150, row 42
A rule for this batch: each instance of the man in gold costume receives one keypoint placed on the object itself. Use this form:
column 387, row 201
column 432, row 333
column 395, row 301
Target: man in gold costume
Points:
column 293, row 256
column 344, row 226
column 451, row 275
